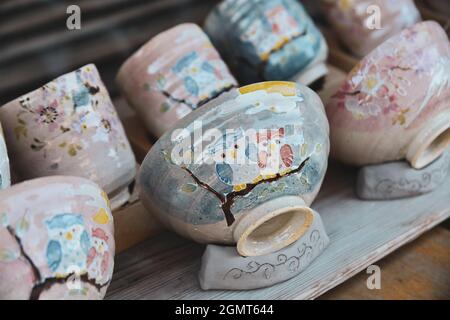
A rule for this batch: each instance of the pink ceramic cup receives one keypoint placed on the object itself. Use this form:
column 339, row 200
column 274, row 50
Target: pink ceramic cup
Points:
column 56, row 240
column 5, row 175
column 395, row 103
column 174, row 73
column 70, row 127
column 355, row 21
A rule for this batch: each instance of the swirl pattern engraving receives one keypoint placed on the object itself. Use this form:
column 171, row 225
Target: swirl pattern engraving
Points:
column 305, row 253
column 427, row 181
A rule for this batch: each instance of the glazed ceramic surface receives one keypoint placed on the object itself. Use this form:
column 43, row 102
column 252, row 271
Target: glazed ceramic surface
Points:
column 56, row 240
column 69, row 127
column 251, row 173
column 352, row 18
column 174, row 73
column 268, row 40
column 395, row 103
column 5, row 177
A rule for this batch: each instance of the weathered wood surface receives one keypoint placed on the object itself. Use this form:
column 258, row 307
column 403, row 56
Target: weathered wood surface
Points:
column 338, row 55
column 361, row 233
column 419, row 270
column 133, row 224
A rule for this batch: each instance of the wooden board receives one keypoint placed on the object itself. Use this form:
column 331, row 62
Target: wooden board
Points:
column 419, row 270
column 337, row 55
column 361, row 232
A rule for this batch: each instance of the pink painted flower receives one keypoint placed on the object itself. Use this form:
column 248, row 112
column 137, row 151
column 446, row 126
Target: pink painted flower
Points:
column 49, row 115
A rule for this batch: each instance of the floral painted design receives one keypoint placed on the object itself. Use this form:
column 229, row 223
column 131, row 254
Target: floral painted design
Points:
column 66, row 126
column 383, row 85
column 70, row 104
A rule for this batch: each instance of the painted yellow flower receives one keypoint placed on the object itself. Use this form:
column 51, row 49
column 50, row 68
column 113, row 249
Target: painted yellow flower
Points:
column 101, row 217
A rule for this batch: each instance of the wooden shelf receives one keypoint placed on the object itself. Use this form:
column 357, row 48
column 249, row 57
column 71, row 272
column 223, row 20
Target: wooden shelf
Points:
column 361, row 233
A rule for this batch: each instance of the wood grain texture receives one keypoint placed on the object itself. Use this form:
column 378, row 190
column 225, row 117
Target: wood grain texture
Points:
column 338, row 56
column 420, row 270
column 361, row 232
column 132, row 225
column 141, row 141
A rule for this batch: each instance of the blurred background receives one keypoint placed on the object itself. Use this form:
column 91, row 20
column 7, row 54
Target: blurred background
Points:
column 36, row 46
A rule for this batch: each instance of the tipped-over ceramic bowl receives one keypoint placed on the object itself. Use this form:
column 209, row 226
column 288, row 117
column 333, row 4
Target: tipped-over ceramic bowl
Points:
column 364, row 24
column 70, row 127
column 395, row 103
column 268, row 40
column 174, row 73
column 242, row 170
column 5, row 175
column 56, row 240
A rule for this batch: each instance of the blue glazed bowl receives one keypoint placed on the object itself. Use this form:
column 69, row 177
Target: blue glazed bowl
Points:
column 243, row 169
column 268, row 40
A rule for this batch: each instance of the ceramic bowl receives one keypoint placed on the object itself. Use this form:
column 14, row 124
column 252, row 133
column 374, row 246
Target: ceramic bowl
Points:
column 441, row 6
column 174, row 73
column 395, row 103
column 355, row 21
column 5, row 176
column 241, row 170
column 70, row 127
column 268, row 40
column 56, row 240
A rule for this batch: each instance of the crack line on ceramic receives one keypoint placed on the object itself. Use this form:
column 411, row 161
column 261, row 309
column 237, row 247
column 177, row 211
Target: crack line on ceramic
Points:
column 293, row 263
column 228, row 200
column 49, row 282
column 201, row 102
column 43, row 285
column 217, row 94
column 260, row 66
column 36, row 272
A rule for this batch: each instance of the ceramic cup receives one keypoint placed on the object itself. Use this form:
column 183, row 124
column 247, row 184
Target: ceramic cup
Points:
column 242, row 169
column 70, row 127
column 395, row 103
column 5, row 176
column 441, row 6
column 56, row 240
column 364, row 24
column 174, row 73
column 268, row 40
